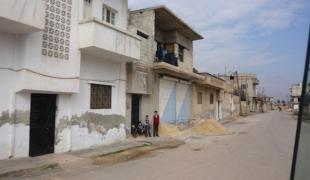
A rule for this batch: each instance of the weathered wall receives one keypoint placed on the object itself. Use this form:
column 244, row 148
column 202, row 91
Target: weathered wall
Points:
column 231, row 106
column 206, row 109
column 145, row 21
column 244, row 108
column 14, row 125
column 25, row 69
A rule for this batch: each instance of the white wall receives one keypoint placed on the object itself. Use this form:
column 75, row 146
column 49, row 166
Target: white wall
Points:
column 24, row 70
column 121, row 6
column 22, row 16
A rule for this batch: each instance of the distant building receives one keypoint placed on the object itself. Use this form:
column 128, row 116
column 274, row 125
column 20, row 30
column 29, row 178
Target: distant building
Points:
column 295, row 96
column 245, row 84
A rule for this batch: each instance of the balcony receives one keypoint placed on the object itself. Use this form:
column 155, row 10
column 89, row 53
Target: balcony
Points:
column 212, row 81
column 22, row 16
column 103, row 40
column 174, row 71
column 162, row 55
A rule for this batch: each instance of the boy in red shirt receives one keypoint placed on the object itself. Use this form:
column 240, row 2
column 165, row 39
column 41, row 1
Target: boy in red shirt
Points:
column 156, row 121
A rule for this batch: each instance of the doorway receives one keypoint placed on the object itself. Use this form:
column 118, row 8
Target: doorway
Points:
column 42, row 124
column 135, row 109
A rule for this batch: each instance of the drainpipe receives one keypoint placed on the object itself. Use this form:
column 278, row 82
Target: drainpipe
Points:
column 240, row 113
column 176, row 104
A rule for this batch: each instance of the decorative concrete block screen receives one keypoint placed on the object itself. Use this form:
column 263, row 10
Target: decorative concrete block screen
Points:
column 56, row 35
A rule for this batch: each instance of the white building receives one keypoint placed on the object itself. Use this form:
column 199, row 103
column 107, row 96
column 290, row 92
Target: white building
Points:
column 63, row 74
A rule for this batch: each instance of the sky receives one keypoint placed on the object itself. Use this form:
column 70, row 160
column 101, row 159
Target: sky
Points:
column 265, row 37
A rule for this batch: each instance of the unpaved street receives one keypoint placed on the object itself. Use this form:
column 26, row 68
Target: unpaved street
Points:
column 259, row 149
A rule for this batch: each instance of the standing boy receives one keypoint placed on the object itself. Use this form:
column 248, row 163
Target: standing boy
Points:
column 147, row 127
column 156, row 121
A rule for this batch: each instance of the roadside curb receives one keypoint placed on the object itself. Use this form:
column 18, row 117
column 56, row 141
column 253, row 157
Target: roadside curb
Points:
column 28, row 167
column 52, row 167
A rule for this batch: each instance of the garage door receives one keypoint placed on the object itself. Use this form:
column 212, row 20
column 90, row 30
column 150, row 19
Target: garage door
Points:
column 174, row 101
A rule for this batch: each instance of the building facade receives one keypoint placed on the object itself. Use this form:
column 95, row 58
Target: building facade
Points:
column 295, row 96
column 63, row 71
column 208, row 97
column 163, row 79
column 245, row 84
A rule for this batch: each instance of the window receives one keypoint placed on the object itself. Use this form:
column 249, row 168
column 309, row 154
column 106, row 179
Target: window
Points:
column 199, row 98
column 100, row 97
column 108, row 15
column 211, row 99
column 145, row 36
column 243, row 86
column 181, row 53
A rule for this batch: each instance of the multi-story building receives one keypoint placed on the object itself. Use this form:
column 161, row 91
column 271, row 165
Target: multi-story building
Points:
column 231, row 100
column 295, row 96
column 162, row 80
column 165, row 79
column 246, row 85
column 267, row 104
column 63, row 74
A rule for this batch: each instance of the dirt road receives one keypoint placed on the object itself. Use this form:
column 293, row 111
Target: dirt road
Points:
column 259, row 149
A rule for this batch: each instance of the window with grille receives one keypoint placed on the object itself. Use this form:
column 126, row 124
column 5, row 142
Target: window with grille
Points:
column 181, row 53
column 100, row 97
column 199, row 98
column 211, row 99
column 244, row 86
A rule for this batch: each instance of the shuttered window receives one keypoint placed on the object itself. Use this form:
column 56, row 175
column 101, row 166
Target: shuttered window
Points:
column 101, row 96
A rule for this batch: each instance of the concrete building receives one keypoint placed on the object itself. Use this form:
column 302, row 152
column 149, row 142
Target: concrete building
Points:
column 268, row 104
column 295, row 96
column 231, row 101
column 163, row 79
column 63, row 74
column 246, row 84
column 208, row 97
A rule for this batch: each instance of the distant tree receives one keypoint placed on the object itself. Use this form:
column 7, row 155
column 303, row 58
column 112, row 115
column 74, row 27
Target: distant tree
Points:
column 283, row 102
column 278, row 101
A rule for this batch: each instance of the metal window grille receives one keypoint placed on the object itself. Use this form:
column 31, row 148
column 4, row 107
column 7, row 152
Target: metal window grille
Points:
column 100, row 96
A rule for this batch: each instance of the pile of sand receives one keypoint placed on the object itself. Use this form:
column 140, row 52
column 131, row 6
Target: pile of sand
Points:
column 166, row 129
column 210, row 127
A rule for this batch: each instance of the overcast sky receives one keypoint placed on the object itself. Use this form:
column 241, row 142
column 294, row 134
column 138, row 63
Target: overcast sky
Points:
column 265, row 37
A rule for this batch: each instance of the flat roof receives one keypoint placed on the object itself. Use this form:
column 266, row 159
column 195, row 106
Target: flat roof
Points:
column 212, row 75
column 166, row 20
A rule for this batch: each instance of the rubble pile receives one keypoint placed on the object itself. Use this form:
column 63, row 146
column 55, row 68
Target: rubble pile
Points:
column 166, row 129
column 210, row 127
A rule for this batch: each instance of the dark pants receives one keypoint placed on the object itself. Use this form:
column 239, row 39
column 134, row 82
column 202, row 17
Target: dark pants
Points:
column 155, row 130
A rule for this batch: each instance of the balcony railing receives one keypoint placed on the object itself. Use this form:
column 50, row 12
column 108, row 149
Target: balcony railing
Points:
column 103, row 40
column 163, row 56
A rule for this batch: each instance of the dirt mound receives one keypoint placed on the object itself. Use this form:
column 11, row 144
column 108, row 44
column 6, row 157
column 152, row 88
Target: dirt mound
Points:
column 210, row 127
column 166, row 129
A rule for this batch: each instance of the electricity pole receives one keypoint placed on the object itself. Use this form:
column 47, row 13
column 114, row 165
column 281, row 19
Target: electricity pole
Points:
column 239, row 90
